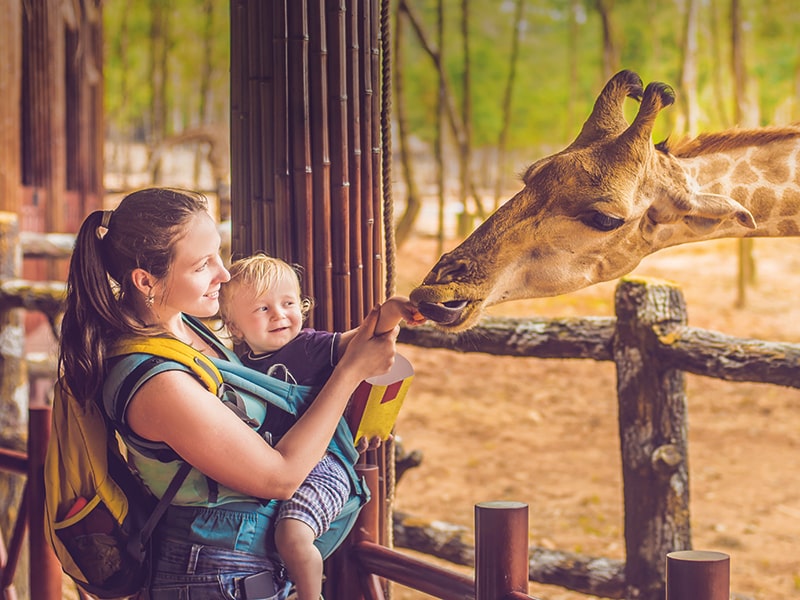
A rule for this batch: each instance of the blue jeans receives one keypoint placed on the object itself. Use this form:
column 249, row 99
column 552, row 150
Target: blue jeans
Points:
column 186, row 571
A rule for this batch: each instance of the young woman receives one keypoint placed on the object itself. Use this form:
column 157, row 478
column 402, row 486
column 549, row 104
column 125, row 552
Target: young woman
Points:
column 146, row 268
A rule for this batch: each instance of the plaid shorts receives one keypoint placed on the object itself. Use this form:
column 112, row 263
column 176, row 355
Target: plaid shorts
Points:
column 320, row 498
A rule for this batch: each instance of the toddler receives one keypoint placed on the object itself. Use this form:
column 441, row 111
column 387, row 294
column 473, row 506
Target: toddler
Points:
column 262, row 306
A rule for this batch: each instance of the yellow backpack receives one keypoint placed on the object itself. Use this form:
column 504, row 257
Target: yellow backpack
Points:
column 98, row 515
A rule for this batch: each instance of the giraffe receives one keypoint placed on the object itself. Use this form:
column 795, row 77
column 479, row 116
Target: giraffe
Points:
column 592, row 211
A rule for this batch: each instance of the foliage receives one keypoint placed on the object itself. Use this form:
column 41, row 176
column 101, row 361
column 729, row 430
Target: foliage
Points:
column 648, row 35
column 127, row 71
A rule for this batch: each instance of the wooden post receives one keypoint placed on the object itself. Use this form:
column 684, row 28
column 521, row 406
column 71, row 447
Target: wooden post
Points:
column 45, row 579
column 13, row 374
column 10, row 94
column 347, row 581
column 501, row 549
column 653, row 433
column 698, row 575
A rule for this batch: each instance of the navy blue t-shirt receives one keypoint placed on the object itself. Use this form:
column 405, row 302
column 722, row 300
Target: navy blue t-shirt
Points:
column 308, row 359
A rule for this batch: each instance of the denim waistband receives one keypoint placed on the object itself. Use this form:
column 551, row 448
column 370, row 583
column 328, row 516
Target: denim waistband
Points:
column 242, row 527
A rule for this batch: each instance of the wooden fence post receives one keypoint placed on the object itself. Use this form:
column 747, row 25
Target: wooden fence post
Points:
column 45, row 578
column 13, row 380
column 501, row 549
column 698, row 575
column 349, row 582
column 653, row 433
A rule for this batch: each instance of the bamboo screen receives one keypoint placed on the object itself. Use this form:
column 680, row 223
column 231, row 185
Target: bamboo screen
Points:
column 306, row 146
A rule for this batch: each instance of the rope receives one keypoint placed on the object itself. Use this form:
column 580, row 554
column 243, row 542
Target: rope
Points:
column 386, row 146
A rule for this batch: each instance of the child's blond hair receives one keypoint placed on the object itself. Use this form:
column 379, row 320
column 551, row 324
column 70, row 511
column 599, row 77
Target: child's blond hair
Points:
column 258, row 273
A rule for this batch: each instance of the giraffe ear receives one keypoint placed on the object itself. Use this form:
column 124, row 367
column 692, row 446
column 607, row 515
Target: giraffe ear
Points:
column 710, row 210
column 700, row 212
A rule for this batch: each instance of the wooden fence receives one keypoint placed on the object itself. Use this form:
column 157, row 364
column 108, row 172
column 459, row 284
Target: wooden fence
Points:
column 652, row 347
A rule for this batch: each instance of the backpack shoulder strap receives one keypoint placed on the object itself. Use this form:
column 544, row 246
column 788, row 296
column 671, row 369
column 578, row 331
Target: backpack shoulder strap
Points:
column 175, row 350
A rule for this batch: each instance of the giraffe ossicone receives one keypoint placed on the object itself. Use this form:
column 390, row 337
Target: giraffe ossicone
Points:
column 592, row 211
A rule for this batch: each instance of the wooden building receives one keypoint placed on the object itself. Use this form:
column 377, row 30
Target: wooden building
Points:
column 51, row 116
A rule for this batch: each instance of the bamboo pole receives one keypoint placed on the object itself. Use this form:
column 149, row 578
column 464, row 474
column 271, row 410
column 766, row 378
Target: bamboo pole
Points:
column 299, row 123
column 260, row 35
column 322, row 263
column 277, row 234
column 354, row 162
column 367, row 145
column 340, row 184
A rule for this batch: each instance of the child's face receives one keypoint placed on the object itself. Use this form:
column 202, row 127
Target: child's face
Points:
column 269, row 321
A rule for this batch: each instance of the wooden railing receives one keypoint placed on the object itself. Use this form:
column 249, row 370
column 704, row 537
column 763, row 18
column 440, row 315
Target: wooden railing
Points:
column 652, row 347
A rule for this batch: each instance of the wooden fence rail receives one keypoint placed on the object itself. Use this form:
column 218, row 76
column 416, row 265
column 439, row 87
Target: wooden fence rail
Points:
column 652, row 348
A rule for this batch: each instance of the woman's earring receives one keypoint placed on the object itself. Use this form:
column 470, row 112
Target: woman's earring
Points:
column 148, row 302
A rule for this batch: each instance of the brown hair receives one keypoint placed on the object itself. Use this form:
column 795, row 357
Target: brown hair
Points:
column 140, row 233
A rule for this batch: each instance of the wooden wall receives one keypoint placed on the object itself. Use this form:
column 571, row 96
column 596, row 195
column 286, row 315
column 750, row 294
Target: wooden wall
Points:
column 306, row 146
column 51, row 116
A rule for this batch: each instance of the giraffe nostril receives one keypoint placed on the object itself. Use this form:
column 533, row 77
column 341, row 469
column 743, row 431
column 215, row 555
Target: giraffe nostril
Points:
column 448, row 270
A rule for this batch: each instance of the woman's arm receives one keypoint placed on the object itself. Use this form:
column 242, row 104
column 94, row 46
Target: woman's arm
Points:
column 174, row 408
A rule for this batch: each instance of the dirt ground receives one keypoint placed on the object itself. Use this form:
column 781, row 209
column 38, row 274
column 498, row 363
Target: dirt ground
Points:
column 544, row 431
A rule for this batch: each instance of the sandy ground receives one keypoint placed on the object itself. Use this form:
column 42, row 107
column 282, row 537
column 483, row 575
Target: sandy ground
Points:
column 544, row 431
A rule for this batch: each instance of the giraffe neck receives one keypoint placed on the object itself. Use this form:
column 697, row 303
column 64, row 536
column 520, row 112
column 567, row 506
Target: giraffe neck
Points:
column 765, row 179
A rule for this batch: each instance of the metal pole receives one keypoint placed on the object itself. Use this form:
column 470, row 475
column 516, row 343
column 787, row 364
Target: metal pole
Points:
column 501, row 549
column 698, row 575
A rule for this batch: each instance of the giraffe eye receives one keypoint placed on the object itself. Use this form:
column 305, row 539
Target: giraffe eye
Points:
column 603, row 222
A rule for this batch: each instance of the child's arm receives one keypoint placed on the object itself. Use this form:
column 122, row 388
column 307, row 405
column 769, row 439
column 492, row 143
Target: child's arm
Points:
column 394, row 310
column 391, row 312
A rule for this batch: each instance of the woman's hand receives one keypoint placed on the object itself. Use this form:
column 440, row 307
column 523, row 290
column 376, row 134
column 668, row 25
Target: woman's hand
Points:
column 365, row 444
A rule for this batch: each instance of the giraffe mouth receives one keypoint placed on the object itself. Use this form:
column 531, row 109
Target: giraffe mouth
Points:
column 447, row 314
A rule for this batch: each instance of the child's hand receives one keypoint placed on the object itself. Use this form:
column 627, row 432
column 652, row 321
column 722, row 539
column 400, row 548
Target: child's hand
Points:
column 396, row 309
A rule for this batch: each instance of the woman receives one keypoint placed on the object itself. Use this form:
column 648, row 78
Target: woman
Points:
column 140, row 270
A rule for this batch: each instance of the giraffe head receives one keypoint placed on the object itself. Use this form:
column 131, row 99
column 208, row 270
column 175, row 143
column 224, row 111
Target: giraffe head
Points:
column 586, row 214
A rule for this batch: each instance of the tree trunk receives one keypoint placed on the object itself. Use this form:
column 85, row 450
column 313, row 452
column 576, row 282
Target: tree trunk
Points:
column 747, row 268
column 439, row 139
column 688, row 116
column 204, row 92
column 716, row 68
column 572, row 68
column 159, row 46
column 405, row 224
column 610, row 50
column 465, row 147
column 502, row 142
column 456, row 125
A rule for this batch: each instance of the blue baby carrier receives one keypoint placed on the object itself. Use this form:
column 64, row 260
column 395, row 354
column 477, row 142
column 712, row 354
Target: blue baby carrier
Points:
column 266, row 403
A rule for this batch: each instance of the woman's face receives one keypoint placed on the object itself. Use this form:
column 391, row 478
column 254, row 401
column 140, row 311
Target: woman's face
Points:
column 192, row 286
